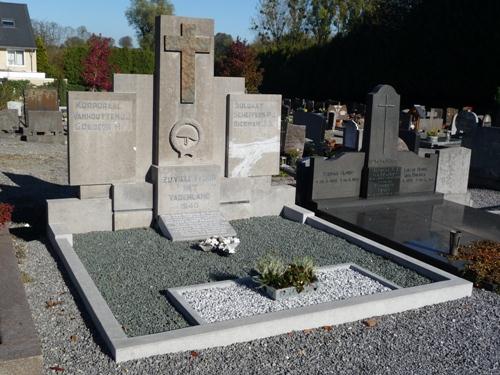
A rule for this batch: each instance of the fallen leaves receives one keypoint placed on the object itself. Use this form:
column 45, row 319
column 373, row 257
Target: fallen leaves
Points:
column 73, row 338
column 370, row 323
column 51, row 303
column 56, row 369
column 194, row 354
column 327, row 328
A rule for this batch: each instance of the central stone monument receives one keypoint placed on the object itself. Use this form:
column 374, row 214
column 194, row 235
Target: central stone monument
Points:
column 184, row 150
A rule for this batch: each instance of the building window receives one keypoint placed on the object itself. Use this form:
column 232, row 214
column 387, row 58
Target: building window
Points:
column 8, row 22
column 15, row 58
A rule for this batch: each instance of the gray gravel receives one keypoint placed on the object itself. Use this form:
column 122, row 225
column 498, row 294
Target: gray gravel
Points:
column 459, row 337
column 483, row 198
column 139, row 265
column 238, row 301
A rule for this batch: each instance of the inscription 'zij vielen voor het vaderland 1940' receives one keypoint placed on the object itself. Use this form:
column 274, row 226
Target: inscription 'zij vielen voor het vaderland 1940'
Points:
column 252, row 114
column 102, row 116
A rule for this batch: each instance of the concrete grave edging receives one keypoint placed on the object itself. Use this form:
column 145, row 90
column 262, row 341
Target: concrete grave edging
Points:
column 191, row 315
column 446, row 287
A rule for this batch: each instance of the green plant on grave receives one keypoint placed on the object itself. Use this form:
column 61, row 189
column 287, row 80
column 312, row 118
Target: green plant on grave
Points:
column 293, row 156
column 273, row 272
column 432, row 132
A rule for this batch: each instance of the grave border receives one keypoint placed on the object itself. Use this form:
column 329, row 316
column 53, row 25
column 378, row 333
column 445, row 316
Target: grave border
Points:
column 192, row 316
column 446, row 287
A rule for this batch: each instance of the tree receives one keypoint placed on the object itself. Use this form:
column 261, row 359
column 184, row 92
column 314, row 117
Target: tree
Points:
column 125, row 42
column 271, row 21
column 241, row 61
column 297, row 19
column 321, row 18
column 222, row 43
column 97, row 69
column 141, row 15
column 42, row 59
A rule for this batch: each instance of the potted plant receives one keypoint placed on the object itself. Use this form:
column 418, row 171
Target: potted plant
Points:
column 279, row 280
column 432, row 134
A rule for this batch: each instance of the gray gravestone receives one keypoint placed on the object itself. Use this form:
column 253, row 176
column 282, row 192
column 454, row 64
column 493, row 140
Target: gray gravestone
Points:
column 487, row 121
column 253, row 135
column 9, row 121
column 187, row 179
column 388, row 172
column 45, row 122
column 102, row 137
column 295, row 139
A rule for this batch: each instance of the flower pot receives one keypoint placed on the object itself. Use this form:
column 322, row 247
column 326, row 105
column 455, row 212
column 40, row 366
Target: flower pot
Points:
column 279, row 294
column 433, row 139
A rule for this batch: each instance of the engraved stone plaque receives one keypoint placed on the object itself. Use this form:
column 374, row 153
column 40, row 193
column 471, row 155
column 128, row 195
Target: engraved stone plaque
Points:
column 253, row 135
column 102, row 137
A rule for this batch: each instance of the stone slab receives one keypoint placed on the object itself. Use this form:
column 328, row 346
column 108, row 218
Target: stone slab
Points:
column 9, row 121
column 50, row 139
column 132, row 219
column 223, row 86
column 102, row 137
column 296, row 213
column 142, row 86
column 46, row 122
column 81, row 216
column 132, row 196
column 420, row 228
column 186, row 189
column 270, row 201
column 295, row 139
column 194, row 226
column 446, row 288
column 20, row 351
column 237, row 189
column 40, row 99
column 94, row 191
column 253, row 138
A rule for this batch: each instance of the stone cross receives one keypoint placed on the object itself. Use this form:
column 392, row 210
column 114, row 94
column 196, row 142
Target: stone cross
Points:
column 188, row 44
column 386, row 106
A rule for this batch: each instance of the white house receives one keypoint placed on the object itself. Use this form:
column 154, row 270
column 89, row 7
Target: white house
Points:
column 17, row 45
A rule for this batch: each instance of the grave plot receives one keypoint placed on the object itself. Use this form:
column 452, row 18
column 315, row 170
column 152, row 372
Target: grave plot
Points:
column 126, row 295
column 194, row 158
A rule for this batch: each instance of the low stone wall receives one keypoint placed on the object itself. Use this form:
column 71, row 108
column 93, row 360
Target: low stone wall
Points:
column 20, row 351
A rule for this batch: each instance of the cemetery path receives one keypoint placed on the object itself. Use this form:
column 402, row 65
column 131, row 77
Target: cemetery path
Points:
column 459, row 337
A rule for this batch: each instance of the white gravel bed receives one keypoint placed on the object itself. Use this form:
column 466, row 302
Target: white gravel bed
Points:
column 239, row 301
column 482, row 198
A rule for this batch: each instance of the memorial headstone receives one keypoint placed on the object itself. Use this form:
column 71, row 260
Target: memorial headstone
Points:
column 9, row 121
column 295, row 139
column 315, row 124
column 487, row 121
column 388, row 172
column 466, row 121
column 450, row 114
column 353, row 136
column 42, row 116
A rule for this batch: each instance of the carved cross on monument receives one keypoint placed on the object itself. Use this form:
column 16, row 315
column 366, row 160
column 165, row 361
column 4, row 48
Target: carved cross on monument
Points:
column 386, row 106
column 188, row 44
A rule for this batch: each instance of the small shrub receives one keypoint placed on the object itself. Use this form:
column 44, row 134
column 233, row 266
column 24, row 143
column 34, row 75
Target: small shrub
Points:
column 433, row 132
column 483, row 267
column 5, row 213
column 26, row 278
column 274, row 273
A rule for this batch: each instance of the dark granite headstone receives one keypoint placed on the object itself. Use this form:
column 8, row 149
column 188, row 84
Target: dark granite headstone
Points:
column 41, row 100
column 388, row 172
column 352, row 135
column 315, row 124
column 466, row 121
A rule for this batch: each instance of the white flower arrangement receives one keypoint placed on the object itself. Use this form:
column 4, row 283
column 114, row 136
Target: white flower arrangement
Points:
column 226, row 245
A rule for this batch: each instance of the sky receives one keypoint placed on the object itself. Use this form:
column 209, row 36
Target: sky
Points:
column 107, row 17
